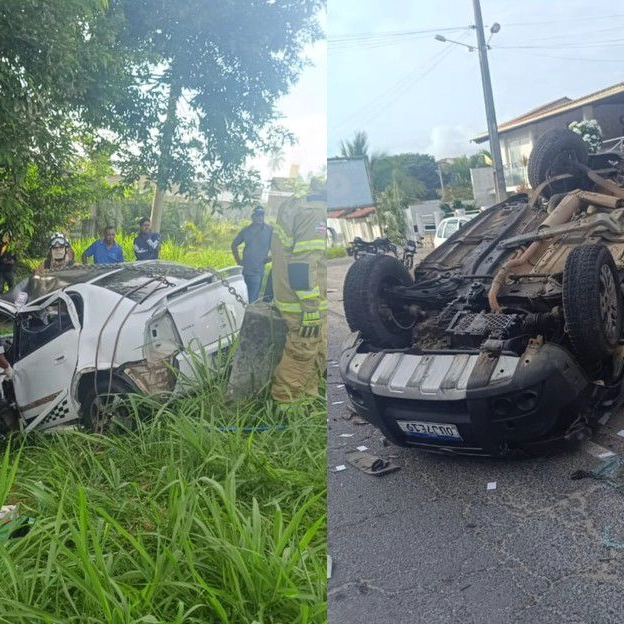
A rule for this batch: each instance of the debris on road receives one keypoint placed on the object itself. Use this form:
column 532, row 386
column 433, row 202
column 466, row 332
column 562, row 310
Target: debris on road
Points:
column 347, row 435
column 491, row 485
column 370, row 464
column 339, row 468
column 330, row 566
column 362, row 448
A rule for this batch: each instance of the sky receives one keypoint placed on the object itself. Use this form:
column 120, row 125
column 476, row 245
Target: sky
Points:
column 411, row 93
column 304, row 113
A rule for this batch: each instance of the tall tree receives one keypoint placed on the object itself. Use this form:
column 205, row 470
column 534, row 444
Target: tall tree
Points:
column 357, row 147
column 52, row 68
column 414, row 173
column 213, row 72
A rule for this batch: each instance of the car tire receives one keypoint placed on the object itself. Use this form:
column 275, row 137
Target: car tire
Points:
column 93, row 416
column 556, row 152
column 367, row 308
column 592, row 304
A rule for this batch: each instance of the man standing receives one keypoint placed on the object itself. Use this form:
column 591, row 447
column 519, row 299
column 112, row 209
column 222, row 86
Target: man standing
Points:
column 147, row 243
column 257, row 239
column 300, row 288
column 104, row 250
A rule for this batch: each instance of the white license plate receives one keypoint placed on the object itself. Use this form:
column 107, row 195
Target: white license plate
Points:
column 429, row 430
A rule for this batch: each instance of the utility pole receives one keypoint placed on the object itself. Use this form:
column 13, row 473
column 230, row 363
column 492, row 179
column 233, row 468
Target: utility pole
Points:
column 499, row 176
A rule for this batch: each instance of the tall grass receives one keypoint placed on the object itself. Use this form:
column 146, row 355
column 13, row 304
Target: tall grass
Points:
column 206, row 513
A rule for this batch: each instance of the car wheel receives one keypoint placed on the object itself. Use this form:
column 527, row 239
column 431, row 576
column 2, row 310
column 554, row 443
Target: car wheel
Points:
column 105, row 408
column 592, row 303
column 556, row 152
column 368, row 307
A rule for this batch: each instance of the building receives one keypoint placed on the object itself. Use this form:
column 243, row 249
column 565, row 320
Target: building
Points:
column 518, row 135
column 350, row 204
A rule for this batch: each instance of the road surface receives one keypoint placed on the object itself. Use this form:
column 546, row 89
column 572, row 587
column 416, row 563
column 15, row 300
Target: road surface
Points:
column 431, row 543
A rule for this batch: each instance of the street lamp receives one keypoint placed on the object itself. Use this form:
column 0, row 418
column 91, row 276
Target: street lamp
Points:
column 490, row 113
column 444, row 39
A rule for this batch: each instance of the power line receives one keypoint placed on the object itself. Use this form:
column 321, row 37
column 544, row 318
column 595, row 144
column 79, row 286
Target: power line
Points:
column 402, row 86
column 569, row 58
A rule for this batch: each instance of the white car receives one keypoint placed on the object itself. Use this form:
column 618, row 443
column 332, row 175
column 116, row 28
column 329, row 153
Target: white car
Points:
column 80, row 336
column 449, row 226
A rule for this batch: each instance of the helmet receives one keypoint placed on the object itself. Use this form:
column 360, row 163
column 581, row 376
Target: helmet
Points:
column 59, row 240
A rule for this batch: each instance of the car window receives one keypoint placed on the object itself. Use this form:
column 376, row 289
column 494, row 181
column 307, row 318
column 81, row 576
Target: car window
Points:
column 440, row 232
column 35, row 329
column 452, row 225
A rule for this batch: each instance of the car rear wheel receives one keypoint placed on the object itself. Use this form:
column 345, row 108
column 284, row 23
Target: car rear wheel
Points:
column 592, row 303
column 557, row 152
column 369, row 307
column 105, row 407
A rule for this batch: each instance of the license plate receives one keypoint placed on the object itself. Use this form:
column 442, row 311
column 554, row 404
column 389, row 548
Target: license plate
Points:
column 429, row 430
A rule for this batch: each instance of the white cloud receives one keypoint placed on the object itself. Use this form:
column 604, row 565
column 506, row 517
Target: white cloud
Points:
column 449, row 141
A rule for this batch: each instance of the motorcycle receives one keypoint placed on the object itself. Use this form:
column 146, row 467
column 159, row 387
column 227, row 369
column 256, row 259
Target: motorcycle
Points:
column 359, row 248
column 409, row 251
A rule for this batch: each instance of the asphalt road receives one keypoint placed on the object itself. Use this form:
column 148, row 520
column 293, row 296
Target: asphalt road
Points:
column 430, row 543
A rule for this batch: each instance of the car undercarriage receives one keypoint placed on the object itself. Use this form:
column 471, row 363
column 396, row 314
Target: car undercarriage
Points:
column 533, row 283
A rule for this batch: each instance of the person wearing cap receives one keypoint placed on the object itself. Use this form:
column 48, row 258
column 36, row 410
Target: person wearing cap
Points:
column 147, row 244
column 300, row 289
column 60, row 254
column 257, row 240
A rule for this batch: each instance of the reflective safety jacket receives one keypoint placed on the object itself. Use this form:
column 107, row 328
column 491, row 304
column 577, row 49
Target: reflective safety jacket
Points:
column 299, row 259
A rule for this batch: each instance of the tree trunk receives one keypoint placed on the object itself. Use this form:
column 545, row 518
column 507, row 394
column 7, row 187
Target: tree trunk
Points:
column 163, row 176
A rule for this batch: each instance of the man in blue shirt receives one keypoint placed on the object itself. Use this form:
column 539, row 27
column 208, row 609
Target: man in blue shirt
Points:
column 257, row 240
column 105, row 250
column 147, row 243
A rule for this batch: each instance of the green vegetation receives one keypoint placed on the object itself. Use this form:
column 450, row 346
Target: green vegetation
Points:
column 189, row 519
column 336, row 252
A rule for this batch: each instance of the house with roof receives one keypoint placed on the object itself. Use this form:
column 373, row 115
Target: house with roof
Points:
column 517, row 136
column 350, row 204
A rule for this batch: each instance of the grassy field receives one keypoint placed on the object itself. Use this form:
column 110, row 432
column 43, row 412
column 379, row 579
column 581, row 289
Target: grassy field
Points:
column 207, row 513
column 192, row 518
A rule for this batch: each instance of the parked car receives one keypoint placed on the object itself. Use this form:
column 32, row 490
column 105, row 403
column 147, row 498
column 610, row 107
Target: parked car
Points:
column 80, row 337
column 447, row 227
column 509, row 335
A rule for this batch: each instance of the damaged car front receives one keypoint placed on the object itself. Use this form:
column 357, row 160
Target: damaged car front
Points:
column 93, row 335
column 509, row 335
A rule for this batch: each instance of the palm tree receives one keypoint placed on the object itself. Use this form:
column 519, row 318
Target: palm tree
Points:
column 357, row 148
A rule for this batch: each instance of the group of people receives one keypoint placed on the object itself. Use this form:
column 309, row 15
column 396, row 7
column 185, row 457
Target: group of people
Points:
column 60, row 254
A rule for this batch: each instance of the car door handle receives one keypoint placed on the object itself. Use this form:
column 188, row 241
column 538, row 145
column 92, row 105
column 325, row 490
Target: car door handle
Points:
column 59, row 359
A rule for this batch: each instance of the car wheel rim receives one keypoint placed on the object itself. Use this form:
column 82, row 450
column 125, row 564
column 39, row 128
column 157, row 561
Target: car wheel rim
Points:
column 397, row 319
column 608, row 303
column 108, row 410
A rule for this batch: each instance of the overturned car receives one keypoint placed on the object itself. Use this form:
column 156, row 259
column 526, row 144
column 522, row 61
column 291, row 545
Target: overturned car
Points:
column 510, row 334
column 79, row 338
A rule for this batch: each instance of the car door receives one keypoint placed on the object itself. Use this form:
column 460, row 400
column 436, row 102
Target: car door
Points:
column 45, row 356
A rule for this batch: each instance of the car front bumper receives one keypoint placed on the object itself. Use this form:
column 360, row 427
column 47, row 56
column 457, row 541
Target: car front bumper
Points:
column 496, row 402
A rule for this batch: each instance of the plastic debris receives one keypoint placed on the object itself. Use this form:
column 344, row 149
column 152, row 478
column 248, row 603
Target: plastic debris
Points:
column 340, row 468
column 491, row 485
column 370, row 464
column 621, row 433
column 347, row 435
column 12, row 523
column 362, row 448
column 337, row 402
column 330, row 565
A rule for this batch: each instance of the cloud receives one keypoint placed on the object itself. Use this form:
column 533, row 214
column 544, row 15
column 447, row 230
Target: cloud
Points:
column 450, row 141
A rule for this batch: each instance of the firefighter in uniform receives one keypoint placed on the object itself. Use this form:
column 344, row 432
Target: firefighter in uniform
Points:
column 300, row 290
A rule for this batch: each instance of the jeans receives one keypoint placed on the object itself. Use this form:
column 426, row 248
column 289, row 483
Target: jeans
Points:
column 253, row 286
